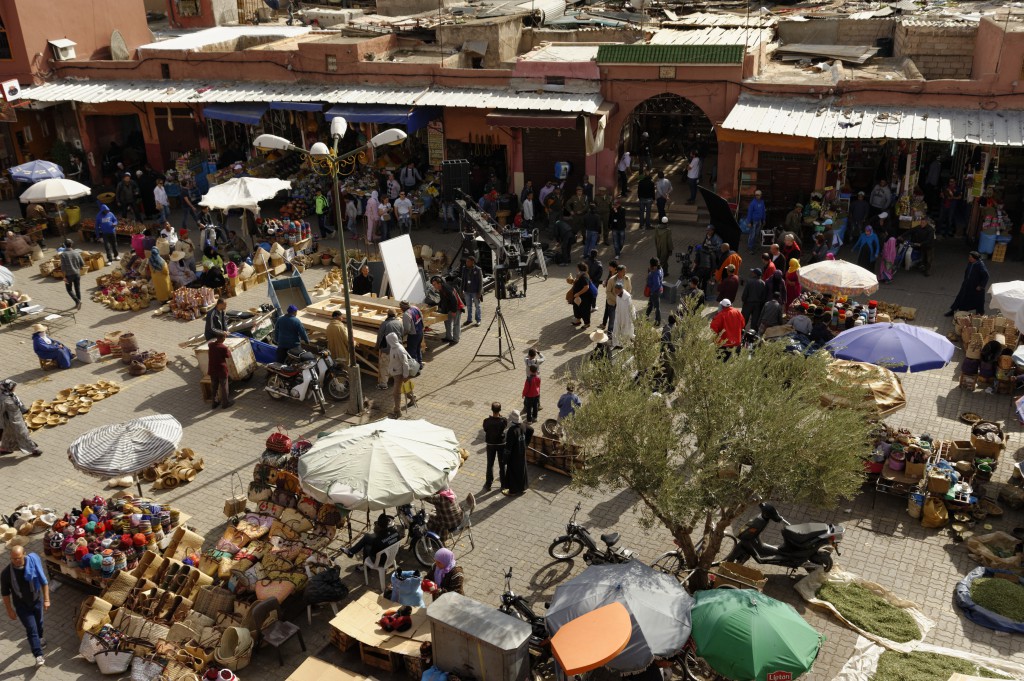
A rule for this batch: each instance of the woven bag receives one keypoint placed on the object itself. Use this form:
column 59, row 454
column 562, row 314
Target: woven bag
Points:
column 93, row 613
column 90, row 645
column 114, row 661
column 235, row 648
column 213, row 600
column 119, row 588
column 146, row 669
column 181, row 632
column 235, row 503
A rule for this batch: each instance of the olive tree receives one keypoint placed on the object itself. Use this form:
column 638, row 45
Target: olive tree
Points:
column 700, row 440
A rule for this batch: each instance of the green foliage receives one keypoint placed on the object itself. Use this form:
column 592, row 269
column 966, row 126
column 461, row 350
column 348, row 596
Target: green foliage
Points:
column 728, row 434
column 871, row 612
column 918, row 666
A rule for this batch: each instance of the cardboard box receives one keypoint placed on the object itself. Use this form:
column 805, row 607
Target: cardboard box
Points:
column 961, row 450
column 938, row 484
column 914, row 470
column 985, row 448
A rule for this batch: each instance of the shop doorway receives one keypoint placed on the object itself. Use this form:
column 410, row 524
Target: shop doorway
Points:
column 675, row 126
column 177, row 131
column 117, row 139
column 484, row 160
column 543, row 147
column 785, row 180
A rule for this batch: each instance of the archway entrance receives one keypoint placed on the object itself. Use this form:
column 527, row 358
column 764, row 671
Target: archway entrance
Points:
column 674, row 125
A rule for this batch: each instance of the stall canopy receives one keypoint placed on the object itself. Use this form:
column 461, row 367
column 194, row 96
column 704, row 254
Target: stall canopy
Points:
column 412, row 117
column 519, row 119
column 249, row 113
column 297, row 106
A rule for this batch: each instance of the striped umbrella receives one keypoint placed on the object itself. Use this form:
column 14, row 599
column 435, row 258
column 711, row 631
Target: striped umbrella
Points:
column 126, row 448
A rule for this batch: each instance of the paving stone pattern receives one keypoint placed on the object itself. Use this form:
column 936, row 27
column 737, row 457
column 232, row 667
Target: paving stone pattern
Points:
column 455, row 390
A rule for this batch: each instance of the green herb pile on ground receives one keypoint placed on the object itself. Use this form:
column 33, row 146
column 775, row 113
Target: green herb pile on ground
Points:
column 871, row 612
column 917, row 666
column 1000, row 596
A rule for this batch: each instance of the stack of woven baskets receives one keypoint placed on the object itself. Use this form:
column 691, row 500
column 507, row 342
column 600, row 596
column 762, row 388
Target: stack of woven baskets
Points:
column 979, row 369
column 139, row 362
column 180, row 468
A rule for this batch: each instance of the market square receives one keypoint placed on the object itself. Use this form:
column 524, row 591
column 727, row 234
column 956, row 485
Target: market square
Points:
column 168, row 420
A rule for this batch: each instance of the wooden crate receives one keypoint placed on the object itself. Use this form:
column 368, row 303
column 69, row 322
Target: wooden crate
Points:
column 206, row 389
column 554, row 455
column 379, row 659
column 341, row 640
column 999, row 253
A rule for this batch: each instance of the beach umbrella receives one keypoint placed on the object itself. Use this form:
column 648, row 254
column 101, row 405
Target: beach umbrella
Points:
column 592, row 640
column 54, row 190
column 658, row 605
column 34, row 171
column 747, row 636
column 6, row 277
column 1008, row 296
column 900, row 347
column 838, row 277
column 883, row 387
column 127, row 448
column 380, row 465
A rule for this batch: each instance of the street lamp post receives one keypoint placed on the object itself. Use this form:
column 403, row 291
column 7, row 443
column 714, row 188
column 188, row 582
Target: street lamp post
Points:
column 325, row 161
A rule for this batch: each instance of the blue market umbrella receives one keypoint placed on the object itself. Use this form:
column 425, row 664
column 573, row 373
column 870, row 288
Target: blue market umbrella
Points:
column 898, row 347
column 33, row 171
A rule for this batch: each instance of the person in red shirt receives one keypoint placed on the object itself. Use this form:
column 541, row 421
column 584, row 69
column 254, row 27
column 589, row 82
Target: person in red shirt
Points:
column 218, row 355
column 728, row 325
column 767, row 267
column 531, row 395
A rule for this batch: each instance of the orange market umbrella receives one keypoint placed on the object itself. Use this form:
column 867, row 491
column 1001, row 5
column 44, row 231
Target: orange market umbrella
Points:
column 592, row 640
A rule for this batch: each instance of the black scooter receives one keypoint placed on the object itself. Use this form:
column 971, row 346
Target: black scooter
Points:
column 807, row 545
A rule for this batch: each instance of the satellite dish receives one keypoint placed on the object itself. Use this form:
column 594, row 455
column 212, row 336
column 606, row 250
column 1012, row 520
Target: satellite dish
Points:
column 118, row 47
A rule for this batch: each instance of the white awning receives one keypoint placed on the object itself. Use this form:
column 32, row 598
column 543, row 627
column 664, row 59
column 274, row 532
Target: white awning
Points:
column 829, row 119
column 168, row 92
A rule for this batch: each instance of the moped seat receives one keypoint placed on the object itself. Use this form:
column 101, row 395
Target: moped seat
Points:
column 284, row 369
column 805, row 533
column 610, row 539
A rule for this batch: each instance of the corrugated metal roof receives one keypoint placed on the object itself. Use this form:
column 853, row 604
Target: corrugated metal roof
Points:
column 828, row 119
column 198, row 39
column 161, row 92
column 717, row 19
column 711, row 35
column 670, row 54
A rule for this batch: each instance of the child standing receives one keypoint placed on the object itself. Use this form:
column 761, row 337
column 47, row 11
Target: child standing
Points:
column 531, row 395
column 534, row 358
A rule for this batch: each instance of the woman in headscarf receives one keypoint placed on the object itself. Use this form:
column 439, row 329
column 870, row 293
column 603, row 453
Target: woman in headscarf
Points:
column 517, row 439
column 448, row 577
column 371, row 217
column 161, row 276
column 868, row 243
column 47, row 348
column 887, row 264
column 793, row 282
column 399, row 362
column 12, row 422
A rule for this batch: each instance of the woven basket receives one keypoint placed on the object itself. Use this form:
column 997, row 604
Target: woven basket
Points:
column 235, row 650
column 137, row 369
column 119, row 588
column 157, row 362
column 114, row 661
column 213, row 600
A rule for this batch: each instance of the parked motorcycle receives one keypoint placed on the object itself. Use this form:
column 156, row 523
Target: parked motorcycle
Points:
column 577, row 539
column 808, row 545
column 514, row 605
column 423, row 543
column 306, row 374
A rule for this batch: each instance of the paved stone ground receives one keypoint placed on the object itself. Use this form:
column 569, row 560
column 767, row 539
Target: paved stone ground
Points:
column 882, row 543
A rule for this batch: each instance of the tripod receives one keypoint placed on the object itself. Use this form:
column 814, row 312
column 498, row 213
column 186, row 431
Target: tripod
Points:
column 503, row 336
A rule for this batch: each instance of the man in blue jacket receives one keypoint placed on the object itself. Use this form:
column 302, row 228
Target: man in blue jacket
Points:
column 290, row 333
column 756, row 216
column 106, row 230
column 26, row 596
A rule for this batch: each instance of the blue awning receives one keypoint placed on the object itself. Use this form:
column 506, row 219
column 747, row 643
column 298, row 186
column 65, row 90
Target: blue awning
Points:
column 412, row 117
column 297, row 106
column 249, row 113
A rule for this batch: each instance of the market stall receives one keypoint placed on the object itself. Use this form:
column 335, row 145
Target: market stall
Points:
column 245, row 193
column 56, row 191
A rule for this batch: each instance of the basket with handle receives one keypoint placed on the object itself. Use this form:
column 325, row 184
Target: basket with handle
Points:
column 114, row 661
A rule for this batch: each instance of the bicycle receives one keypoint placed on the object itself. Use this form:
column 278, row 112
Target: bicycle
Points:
column 674, row 562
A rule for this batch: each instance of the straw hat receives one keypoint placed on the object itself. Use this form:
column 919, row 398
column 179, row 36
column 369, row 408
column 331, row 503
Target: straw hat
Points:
column 599, row 336
column 39, row 420
column 177, row 255
column 36, row 328
column 7, row 533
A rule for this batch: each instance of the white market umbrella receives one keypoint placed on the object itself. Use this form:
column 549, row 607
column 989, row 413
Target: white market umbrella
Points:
column 54, row 190
column 6, row 277
column 1008, row 296
column 380, row 465
column 838, row 277
column 127, row 448
column 243, row 192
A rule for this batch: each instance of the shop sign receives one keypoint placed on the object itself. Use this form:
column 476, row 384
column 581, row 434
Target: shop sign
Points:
column 435, row 142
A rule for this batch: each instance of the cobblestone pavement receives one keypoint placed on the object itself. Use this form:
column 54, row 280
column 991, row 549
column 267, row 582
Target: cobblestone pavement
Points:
column 882, row 543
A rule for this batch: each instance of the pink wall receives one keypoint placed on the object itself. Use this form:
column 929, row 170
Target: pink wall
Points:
column 31, row 23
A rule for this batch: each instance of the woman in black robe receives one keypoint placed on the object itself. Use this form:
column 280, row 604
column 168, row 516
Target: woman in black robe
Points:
column 517, row 439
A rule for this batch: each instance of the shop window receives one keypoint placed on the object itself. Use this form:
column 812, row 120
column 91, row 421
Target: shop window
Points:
column 5, row 43
column 332, row 63
column 476, row 62
column 189, row 8
column 165, row 71
column 554, row 80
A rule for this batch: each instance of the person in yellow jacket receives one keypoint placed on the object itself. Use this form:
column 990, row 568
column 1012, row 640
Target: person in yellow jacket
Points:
column 322, row 208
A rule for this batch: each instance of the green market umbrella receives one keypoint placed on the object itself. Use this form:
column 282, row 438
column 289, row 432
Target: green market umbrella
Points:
column 747, row 636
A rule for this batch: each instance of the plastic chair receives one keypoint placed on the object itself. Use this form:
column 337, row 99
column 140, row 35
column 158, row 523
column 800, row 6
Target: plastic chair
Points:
column 277, row 633
column 309, row 607
column 767, row 237
column 465, row 526
column 382, row 562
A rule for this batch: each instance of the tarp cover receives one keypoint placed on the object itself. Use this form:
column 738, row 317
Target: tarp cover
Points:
column 978, row 614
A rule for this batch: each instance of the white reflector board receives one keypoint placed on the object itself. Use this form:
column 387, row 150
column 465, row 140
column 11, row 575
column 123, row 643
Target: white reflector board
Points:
column 400, row 265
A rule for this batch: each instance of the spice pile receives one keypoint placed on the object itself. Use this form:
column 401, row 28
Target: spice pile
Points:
column 918, row 666
column 871, row 612
column 1001, row 596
